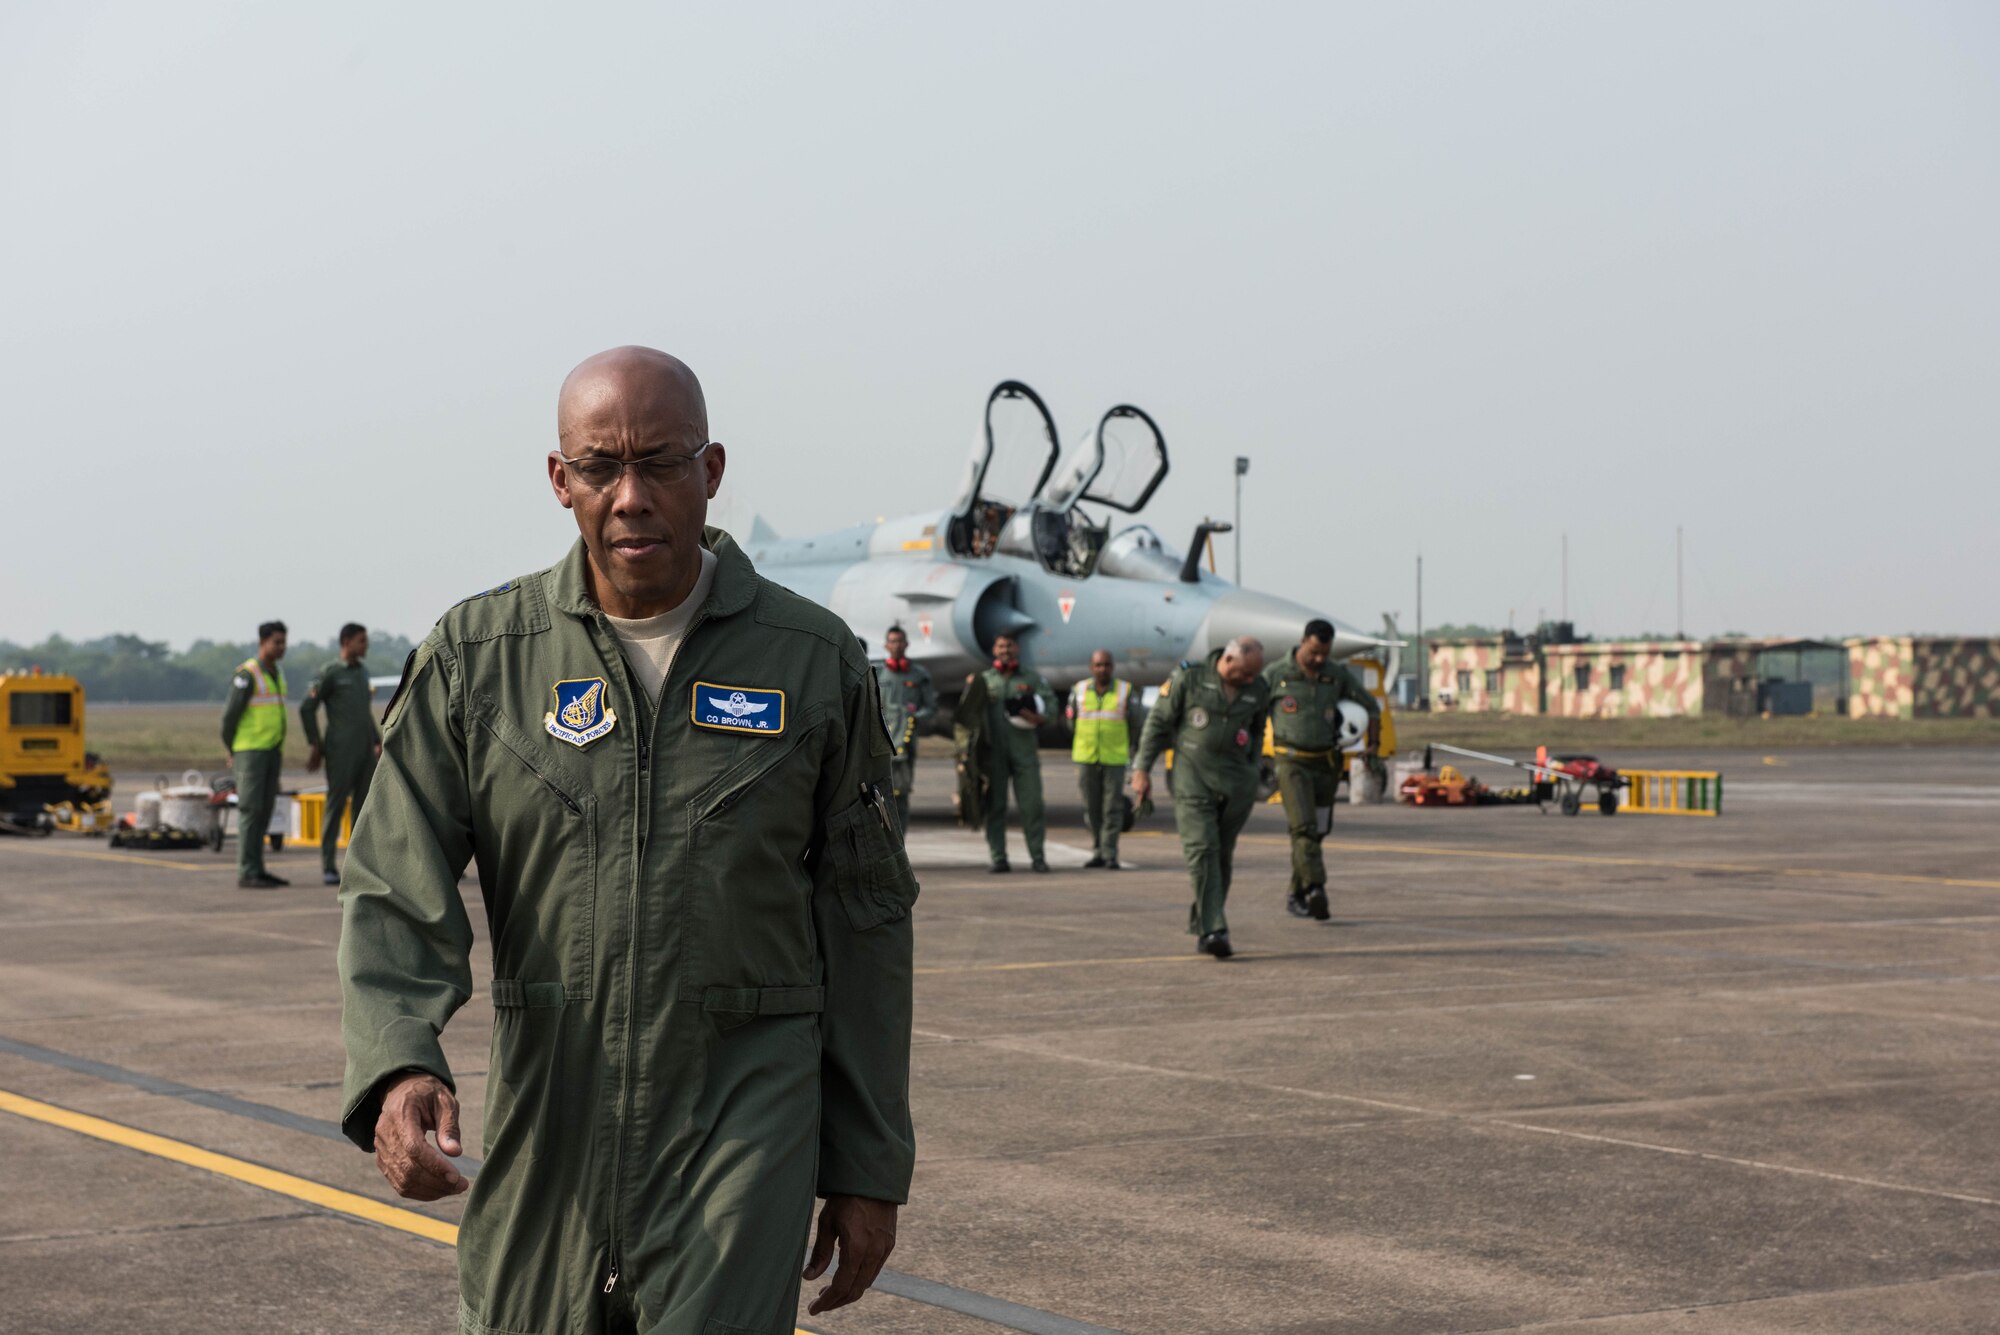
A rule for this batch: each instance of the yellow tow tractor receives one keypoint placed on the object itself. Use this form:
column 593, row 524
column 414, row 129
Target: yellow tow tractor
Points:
column 48, row 782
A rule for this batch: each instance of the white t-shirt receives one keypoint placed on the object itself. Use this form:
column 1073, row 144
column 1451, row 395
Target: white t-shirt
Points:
column 650, row 643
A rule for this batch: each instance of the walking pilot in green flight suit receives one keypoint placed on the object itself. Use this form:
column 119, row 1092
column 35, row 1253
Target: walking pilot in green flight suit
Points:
column 253, row 728
column 672, row 776
column 1306, row 692
column 1212, row 714
column 1019, row 701
column 352, row 742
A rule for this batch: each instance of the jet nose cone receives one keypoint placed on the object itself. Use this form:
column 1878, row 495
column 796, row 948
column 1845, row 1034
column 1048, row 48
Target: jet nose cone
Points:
column 1279, row 622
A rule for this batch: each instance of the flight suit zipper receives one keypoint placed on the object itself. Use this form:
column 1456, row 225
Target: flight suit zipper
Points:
column 642, row 808
column 650, row 715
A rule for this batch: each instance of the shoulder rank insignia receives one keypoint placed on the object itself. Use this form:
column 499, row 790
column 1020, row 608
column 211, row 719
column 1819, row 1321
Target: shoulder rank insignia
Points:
column 581, row 715
column 508, row 587
column 737, row 709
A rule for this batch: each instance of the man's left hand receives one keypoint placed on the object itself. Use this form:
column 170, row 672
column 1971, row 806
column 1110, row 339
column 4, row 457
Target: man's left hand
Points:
column 866, row 1232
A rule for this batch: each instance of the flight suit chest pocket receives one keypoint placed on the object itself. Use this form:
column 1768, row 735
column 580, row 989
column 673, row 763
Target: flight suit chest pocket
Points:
column 535, row 838
column 871, row 873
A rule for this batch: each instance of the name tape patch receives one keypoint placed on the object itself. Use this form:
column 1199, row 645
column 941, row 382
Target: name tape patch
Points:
column 581, row 715
column 738, row 709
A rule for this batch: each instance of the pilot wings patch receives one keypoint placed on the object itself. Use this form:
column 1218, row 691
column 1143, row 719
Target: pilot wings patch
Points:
column 737, row 709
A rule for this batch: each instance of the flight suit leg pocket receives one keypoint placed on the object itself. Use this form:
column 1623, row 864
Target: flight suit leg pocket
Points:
column 871, row 872
column 731, row 1007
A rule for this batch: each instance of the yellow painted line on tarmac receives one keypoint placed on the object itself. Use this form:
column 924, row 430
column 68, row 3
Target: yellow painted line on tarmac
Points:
column 270, row 1179
column 82, row 856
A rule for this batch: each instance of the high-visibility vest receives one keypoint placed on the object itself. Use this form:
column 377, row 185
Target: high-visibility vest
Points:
column 262, row 727
column 1099, row 716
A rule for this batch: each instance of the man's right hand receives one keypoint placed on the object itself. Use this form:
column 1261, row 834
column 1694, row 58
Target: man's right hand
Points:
column 313, row 757
column 415, row 1104
column 1142, row 785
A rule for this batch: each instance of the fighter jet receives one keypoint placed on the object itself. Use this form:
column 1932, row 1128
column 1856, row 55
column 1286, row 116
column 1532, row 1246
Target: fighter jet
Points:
column 1022, row 552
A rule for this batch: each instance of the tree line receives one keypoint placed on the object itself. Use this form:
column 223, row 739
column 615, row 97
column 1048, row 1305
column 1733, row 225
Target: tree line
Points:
column 126, row 667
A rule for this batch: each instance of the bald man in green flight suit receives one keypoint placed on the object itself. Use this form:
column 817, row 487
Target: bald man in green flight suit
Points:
column 672, row 775
column 1212, row 715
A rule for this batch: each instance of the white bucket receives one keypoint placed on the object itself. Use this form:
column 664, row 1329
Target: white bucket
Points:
column 146, row 810
column 185, row 806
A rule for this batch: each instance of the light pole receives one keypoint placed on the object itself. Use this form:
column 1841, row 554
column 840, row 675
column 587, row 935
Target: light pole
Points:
column 1242, row 467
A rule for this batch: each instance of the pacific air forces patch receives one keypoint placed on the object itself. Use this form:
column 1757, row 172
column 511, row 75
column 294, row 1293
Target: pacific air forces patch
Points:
column 737, row 709
column 582, row 715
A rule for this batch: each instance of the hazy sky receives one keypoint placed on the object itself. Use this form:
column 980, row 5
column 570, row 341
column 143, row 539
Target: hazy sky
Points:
column 286, row 291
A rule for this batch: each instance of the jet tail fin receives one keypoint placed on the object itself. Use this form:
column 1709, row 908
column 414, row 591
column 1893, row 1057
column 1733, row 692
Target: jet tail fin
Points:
column 761, row 531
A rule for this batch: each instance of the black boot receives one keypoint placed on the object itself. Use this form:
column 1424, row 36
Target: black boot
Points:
column 1295, row 903
column 1316, row 904
column 1217, row 944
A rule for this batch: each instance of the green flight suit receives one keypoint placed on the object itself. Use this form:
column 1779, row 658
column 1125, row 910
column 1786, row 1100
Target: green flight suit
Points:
column 1216, row 741
column 909, row 703
column 1015, row 757
column 349, row 744
column 1305, row 734
column 700, row 923
column 256, row 758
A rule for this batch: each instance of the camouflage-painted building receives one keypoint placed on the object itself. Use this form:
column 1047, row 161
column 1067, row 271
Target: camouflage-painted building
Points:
column 1627, row 679
column 1917, row 676
column 1608, row 679
column 1500, row 675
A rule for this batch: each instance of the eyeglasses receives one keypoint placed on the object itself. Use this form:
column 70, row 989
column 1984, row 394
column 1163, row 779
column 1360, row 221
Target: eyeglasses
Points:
column 601, row 472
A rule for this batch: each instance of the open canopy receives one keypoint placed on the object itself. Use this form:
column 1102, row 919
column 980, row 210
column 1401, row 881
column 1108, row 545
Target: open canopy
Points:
column 1012, row 458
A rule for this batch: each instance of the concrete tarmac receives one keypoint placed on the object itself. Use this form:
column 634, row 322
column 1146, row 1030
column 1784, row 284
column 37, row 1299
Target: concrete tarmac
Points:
column 1621, row 1076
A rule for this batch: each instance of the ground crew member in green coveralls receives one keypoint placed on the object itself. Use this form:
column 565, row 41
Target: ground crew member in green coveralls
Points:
column 1102, row 711
column 253, row 728
column 909, row 703
column 1212, row 714
column 1307, row 688
column 1019, row 702
column 352, row 742
column 673, row 778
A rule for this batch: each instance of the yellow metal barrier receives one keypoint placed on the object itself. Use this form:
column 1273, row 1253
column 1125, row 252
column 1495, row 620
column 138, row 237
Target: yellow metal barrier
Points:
column 312, row 815
column 1674, row 792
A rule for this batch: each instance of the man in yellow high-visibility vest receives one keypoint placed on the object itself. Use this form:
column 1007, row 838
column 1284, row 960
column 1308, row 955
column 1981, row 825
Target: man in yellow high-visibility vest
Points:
column 1102, row 713
column 253, row 728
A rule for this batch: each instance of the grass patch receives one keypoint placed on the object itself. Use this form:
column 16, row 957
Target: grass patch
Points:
column 141, row 742
column 1514, row 732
